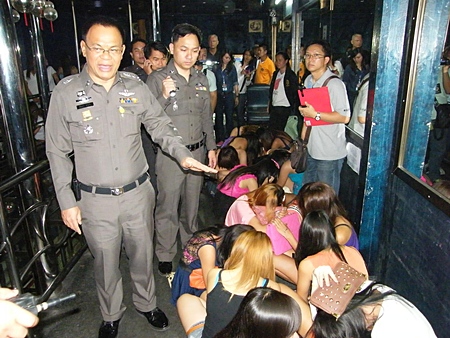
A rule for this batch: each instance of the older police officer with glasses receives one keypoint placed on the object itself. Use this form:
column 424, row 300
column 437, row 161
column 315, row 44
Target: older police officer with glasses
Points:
column 97, row 114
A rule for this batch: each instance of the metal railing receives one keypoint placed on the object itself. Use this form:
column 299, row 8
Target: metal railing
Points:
column 37, row 250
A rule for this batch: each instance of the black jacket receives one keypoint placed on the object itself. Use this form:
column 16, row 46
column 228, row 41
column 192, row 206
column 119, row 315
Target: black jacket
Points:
column 290, row 87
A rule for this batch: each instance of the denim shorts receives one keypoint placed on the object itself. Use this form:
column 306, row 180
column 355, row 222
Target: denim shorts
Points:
column 196, row 330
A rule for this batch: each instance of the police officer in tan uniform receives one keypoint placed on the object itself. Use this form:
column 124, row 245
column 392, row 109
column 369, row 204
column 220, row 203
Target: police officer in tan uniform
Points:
column 98, row 114
column 183, row 93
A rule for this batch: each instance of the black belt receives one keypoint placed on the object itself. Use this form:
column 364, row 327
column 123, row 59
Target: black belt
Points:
column 195, row 146
column 114, row 191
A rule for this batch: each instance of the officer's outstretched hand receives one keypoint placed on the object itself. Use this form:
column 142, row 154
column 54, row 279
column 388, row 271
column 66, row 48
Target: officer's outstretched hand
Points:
column 72, row 219
column 14, row 321
column 192, row 164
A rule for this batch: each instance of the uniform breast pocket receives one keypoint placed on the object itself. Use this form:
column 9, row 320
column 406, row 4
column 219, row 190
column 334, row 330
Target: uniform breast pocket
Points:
column 130, row 119
column 200, row 97
column 86, row 126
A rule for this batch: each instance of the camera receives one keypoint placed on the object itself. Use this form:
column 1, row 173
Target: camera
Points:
column 445, row 62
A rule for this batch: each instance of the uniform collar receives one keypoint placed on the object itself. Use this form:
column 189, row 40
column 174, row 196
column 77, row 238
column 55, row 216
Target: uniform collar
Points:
column 88, row 82
column 171, row 69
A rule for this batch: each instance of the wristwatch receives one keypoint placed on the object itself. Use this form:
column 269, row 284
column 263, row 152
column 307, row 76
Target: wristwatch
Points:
column 317, row 116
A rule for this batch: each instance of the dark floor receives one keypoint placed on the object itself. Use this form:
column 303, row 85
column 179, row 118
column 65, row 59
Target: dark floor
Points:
column 81, row 317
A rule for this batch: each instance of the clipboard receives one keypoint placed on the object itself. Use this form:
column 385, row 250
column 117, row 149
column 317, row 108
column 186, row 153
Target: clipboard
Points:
column 319, row 98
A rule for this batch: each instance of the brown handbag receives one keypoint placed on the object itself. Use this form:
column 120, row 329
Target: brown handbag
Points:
column 334, row 299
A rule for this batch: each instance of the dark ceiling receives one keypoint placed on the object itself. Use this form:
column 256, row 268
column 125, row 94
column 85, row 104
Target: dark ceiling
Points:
column 170, row 7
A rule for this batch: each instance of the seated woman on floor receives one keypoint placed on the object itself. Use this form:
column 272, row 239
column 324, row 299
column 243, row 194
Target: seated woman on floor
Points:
column 377, row 312
column 243, row 179
column 227, row 162
column 272, row 139
column 263, row 209
column 315, row 196
column 205, row 250
column 276, row 139
column 318, row 246
column 250, row 265
column 247, row 145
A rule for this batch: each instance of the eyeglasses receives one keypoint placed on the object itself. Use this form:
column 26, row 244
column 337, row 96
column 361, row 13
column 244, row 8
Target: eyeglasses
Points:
column 314, row 56
column 115, row 51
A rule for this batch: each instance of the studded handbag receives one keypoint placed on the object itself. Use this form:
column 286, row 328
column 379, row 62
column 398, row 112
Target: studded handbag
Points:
column 334, row 299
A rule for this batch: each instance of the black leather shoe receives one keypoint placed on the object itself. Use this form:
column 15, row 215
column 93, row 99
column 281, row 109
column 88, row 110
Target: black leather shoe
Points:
column 165, row 268
column 109, row 329
column 156, row 318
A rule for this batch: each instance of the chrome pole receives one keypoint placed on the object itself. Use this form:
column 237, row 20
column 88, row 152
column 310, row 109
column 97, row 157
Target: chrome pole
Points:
column 76, row 37
column 156, row 20
column 37, row 46
column 14, row 110
column 130, row 20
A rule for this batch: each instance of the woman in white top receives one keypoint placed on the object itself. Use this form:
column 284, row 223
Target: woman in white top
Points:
column 377, row 312
column 283, row 93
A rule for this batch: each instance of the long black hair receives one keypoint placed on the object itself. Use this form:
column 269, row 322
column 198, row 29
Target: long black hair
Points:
column 365, row 57
column 228, row 237
column 264, row 312
column 352, row 323
column 316, row 234
column 230, row 64
column 263, row 169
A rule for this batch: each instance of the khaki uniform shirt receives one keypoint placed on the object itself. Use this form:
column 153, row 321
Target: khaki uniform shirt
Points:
column 190, row 109
column 139, row 71
column 103, row 130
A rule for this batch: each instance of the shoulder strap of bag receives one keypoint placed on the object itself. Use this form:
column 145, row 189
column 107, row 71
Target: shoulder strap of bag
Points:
column 328, row 80
column 363, row 82
column 308, row 132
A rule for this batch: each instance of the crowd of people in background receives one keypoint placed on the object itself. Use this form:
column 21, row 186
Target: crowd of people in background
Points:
column 274, row 223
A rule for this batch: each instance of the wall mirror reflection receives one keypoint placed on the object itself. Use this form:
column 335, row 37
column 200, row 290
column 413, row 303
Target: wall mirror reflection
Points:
column 426, row 135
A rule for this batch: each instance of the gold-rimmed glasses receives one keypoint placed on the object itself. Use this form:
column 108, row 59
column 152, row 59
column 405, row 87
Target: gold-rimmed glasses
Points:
column 114, row 51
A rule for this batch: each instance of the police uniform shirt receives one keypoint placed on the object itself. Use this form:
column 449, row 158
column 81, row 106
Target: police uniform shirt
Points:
column 190, row 108
column 103, row 130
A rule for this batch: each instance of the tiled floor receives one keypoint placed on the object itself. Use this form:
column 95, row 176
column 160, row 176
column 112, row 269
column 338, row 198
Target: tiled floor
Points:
column 80, row 318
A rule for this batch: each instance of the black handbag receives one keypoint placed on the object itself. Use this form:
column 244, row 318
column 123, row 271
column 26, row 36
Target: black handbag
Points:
column 299, row 155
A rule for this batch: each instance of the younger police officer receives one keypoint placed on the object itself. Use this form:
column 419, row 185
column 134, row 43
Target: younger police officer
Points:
column 183, row 93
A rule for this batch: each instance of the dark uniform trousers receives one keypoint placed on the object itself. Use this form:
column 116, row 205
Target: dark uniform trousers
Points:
column 176, row 204
column 106, row 220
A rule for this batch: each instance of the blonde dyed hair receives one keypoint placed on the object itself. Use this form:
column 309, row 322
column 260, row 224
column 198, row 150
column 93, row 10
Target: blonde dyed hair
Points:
column 252, row 252
column 269, row 195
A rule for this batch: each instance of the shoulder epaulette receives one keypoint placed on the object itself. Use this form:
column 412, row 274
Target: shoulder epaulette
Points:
column 128, row 75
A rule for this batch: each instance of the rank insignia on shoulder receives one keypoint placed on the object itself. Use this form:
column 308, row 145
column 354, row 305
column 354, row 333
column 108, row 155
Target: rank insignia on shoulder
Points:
column 87, row 115
column 129, row 75
column 128, row 100
column 66, row 81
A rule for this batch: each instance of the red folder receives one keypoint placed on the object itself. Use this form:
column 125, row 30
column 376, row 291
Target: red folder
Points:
column 319, row 98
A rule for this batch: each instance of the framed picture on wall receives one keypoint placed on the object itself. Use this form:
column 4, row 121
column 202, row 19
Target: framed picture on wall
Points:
column 286, row 26
column 255, row 26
